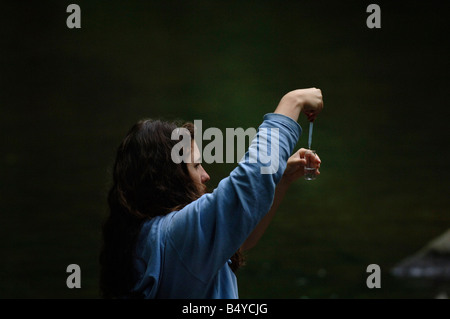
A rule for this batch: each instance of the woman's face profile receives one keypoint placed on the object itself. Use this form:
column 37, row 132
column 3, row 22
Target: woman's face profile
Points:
column 195, row 168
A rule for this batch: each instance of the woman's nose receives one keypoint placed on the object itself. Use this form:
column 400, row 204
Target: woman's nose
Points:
column 205, row 177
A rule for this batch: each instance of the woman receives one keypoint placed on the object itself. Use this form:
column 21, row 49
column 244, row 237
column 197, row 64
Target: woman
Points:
column 165, row 237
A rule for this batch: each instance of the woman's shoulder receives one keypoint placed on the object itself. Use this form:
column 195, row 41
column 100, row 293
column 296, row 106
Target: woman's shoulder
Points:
column 154, row 229
column 155, row 223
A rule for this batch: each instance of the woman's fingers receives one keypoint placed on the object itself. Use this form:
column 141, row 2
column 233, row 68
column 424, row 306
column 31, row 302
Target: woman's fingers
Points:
column 303, row 156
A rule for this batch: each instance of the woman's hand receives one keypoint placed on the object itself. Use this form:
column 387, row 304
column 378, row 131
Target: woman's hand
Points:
column 296, row 165
column 312, row 103
column 308, row 101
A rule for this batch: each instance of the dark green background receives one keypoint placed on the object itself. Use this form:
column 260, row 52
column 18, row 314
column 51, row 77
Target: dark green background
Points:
column 68, row 97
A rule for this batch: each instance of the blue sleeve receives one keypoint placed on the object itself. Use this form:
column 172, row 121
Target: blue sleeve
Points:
column 207, row 232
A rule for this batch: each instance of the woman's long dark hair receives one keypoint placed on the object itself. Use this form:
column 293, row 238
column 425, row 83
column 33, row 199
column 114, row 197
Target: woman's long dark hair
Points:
column 146, row 183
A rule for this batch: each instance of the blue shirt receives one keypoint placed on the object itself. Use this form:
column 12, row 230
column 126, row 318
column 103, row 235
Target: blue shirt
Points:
column 185, row 253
